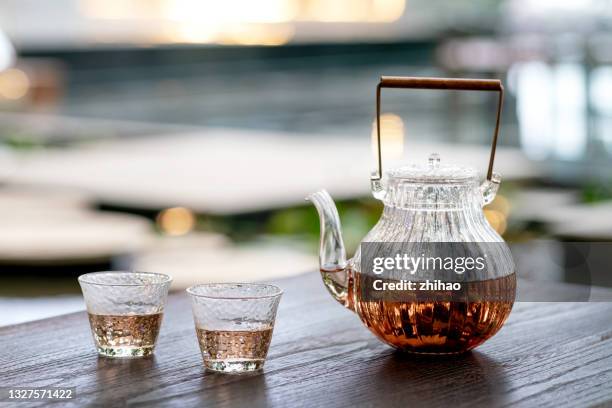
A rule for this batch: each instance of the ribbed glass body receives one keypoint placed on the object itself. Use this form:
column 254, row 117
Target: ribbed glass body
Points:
column 432, row 322
column 433, row 212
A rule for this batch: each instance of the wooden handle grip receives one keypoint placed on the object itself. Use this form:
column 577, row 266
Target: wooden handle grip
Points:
column 441, row 83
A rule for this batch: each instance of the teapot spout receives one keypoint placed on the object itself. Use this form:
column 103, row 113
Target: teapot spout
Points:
column 332, row 254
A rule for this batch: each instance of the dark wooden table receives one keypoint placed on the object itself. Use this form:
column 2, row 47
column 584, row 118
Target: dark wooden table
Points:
column 547, row 354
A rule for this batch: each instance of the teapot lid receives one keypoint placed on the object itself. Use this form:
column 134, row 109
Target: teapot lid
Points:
column 433, row 172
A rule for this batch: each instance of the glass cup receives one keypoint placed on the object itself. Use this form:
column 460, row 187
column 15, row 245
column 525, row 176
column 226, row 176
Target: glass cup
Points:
column 125, row 310
column 234, row 323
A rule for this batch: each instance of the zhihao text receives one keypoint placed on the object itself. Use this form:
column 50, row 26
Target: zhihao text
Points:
column 410, row 285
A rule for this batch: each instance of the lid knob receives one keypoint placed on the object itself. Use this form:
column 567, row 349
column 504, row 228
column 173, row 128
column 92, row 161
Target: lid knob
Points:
column 434, row 161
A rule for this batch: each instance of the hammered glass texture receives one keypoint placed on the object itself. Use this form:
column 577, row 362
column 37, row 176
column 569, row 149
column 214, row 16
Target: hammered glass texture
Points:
column 234, row 306
column 122, row 293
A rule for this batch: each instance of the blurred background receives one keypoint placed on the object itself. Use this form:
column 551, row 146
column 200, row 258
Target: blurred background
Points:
column 181, row 136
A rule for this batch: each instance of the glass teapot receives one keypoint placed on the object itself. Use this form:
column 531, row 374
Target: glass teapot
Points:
column 430, row 209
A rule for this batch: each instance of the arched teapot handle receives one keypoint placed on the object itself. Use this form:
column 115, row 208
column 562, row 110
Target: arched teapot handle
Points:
column 462, row 84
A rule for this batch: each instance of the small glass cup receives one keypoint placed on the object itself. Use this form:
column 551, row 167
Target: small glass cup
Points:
column 125, row 310
column 234, row 324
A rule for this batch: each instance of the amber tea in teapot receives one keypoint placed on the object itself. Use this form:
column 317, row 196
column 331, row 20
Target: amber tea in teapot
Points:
column 429, row 326
column 432, row 212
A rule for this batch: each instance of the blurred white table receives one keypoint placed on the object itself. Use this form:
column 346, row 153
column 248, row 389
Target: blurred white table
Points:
column 47, row 225
column 216, row 171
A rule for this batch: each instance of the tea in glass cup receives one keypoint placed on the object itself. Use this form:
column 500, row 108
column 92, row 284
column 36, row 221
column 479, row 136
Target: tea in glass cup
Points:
column 234, row 324
column 125, row 310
